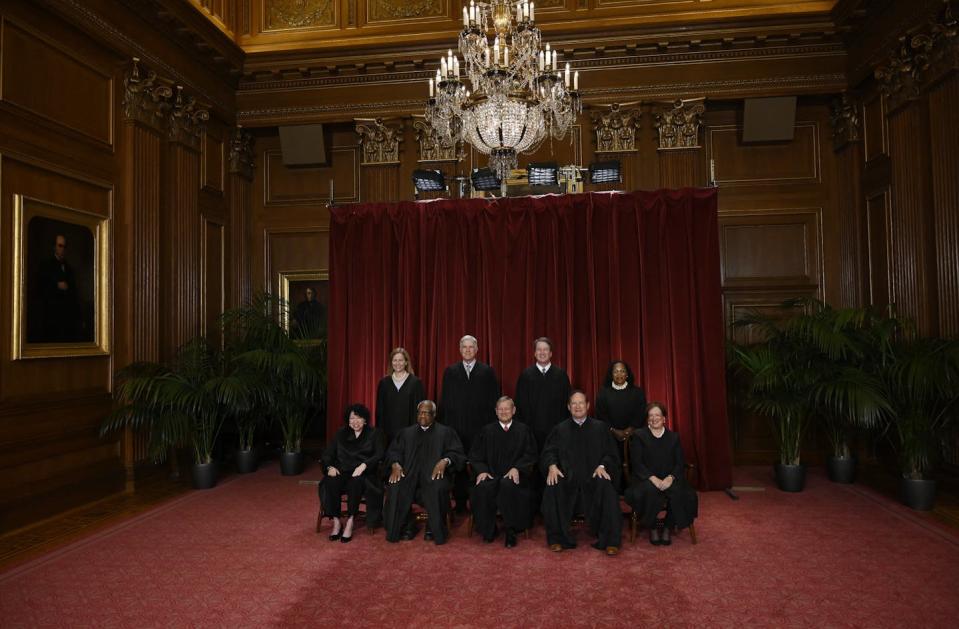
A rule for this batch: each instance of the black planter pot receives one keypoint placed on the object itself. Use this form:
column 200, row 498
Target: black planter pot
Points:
column 247, row 461
column 204, row 475
column 291, row 463
column 918, row 494
column 790, row 477
column 841, row 469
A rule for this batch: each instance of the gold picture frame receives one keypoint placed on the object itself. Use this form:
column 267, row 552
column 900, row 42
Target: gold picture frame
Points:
column 291, row 288
column 61, row 306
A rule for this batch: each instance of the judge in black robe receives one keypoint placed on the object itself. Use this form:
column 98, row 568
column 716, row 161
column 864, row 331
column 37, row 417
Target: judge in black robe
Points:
column 620, row 402
column 502, row 457
column 421, row 460
column 581, row 463
column 470, row 391
column 351, row 461
column 657, row 473
column 542, row 391
column 396, row 405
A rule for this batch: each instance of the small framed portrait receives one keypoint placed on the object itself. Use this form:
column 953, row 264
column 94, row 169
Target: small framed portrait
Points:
column 307, row 296
column 60, row 282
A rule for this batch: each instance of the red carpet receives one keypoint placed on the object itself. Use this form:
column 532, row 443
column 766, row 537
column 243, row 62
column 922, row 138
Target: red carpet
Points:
column 245, row 555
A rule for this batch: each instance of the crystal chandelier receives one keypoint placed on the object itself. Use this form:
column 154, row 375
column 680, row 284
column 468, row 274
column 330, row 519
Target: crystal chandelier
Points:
column 512, row 95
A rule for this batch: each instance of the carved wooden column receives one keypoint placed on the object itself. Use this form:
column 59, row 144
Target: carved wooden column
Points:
column 615, row 130
column 380, row 158
column 137, row 263
column 846, row 123
column 681, row 158
column 182, row 214
column 241, row 206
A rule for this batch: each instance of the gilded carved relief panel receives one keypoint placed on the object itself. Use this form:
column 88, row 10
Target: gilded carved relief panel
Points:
column 386, row 10
column 287, row 14
column 615, row 127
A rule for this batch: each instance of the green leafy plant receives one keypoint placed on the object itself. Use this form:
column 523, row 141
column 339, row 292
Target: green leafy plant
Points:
column 291, row 371
column 809, row 365
column 182, row 403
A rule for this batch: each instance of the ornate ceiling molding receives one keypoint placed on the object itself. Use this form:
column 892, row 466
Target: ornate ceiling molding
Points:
column 283, row 15
column 846, row 121
column 431, row 147
column 388, row 10
column 678, row 123
column 161, row 104
column 242, row 161
column 920, row 59
column 615, row 127
column 379, row 140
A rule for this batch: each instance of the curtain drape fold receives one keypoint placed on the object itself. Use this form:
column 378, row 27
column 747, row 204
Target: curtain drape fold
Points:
column 632, row 276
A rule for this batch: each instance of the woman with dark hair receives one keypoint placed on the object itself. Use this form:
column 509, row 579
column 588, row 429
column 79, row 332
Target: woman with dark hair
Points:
column 658, row 472
column 351, row 460
column 620, row 402
column 397, row 395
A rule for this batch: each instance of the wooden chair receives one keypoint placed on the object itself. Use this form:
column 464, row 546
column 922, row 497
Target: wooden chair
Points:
column 634, row 519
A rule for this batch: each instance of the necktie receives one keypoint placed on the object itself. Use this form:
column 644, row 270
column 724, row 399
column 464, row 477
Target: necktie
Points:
column 543, row 369
column 469, row 368
column 506, row 428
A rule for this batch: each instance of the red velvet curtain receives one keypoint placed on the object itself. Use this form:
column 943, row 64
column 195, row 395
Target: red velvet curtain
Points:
column 605, row 275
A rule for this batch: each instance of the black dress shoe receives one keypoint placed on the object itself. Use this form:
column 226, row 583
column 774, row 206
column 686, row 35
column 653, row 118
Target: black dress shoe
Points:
column 428, row 536
column 409, row 534
column 510, row 538
column 333, row 538
column 346, row 540
column 654, row 537
column 489, row 538
column 665, row 539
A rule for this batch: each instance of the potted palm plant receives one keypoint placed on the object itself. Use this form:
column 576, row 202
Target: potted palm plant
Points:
column 921, row 376
column 183, row 403
column 291, row 370
column 809, row 365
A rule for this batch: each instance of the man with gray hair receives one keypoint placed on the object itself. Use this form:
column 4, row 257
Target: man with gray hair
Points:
column 421, row 459
column 468, row 402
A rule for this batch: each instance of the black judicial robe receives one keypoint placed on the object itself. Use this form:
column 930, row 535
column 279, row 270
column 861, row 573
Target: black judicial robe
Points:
column 495, row 451
column 346, row 452
column 396, row 409
column 577, row 451
column 418, row 451
column 622, row 409
column 468, row 403
column 649, row 456
column 541, row 399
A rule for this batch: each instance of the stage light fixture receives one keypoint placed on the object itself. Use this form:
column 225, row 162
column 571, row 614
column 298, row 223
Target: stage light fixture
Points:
column 542, row 174
column 485, row 179
column 429, row 180
column 605, row 172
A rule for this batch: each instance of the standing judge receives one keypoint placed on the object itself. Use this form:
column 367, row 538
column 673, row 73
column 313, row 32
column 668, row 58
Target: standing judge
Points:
column 397, row 395
column 503, row 455
column 658, row 472
column 470, row 391
column 620, row 402
column 542, row 392
column 421, row 459
column 580, row 461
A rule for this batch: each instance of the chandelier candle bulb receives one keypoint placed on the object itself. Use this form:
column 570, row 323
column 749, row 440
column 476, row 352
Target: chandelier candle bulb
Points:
column 431, row 88
column 532, row 11
column 466, row 18
column 506, row 56
column 542, row 61
column 576, row 81
column 566, row 81
column 555, row 61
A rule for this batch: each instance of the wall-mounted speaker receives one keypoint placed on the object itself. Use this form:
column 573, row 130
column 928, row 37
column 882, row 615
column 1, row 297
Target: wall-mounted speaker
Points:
column 769, row 119
column 304, row 145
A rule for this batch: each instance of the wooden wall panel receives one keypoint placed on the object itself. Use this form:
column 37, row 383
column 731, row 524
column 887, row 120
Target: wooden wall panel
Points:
column 879, row 247
column 682, row 168
column 875, row 131
column 309, row 186
column 944, row 168
column 912, row 269
column 213, row 161
column 853, row 278
column 770, row 248
column 182, row 230
column 738, row 164
column 44, row 79
column 212, row 284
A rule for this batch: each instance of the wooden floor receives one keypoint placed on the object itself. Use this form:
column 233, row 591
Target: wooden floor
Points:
column 154, row 486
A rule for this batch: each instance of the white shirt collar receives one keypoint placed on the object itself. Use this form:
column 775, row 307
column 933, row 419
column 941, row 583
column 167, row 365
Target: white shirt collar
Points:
column 505, row 426
column 662, row 431
column 580, row 422
column 544, row 368
column 619, row 387
column 469, row 365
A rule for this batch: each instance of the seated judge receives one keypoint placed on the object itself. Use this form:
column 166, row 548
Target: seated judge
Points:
column 502, row 456
column 581, row 463
column 397, row 395
column 620, row 402
column 351, row 461
column 421, row 459
column 658, row 467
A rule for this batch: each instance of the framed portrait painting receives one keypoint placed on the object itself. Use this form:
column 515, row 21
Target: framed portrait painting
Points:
column 61, row 263
column 307, row 297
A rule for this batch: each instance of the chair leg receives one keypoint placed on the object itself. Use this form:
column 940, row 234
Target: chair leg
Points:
column 319, row 518
column 692, row 533
column 632, row 527
column 469, row 525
